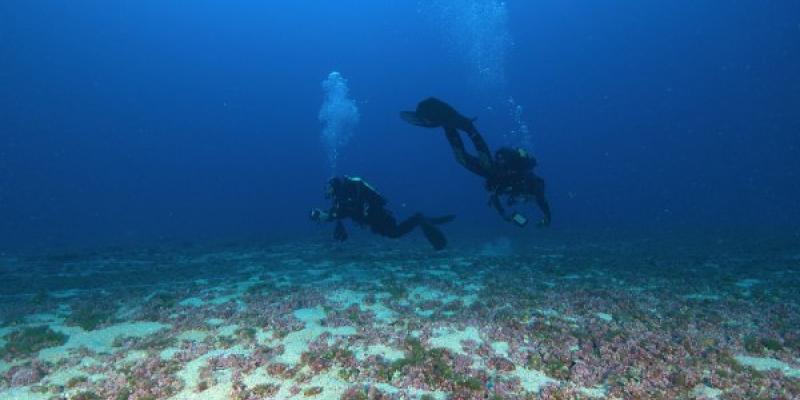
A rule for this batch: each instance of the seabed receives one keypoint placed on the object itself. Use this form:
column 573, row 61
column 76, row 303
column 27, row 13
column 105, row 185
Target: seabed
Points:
column 564, row 319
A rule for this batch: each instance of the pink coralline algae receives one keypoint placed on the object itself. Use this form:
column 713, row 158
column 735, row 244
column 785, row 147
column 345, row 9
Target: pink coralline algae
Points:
column 24, row 376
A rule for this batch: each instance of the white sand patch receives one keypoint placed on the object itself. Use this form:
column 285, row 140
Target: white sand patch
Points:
column 765, row 363
column 333, row 387
column 215, row 321
column 193, row 335
column 63, row 376
column 125, row 313
column 701, row 297
column 333, row 278
column 424, row 293
column 382, row 313
column 473, row 287
column 259, row 376
column 221, row 390
column 224, row 299
column 227, row 330
column 64, row 294
column 705, row 392
column 296, row 343
column 423, row 313
column 3, row 332
column 310, row 315
column 413, row 392
column 345, row 298
column 192, row 302
column 190, row 375
column 500, row 348
column 263, row 337
column 421, row 294
column 134, row 356
column 442, row 273
column 98, row 340
column 168, row 353
column 596, row 391
column 23, row 393
column 469, row 299
column 384, row 351
column 451, row 338
column 747, row 283
column 532, row 380
column 605, row 317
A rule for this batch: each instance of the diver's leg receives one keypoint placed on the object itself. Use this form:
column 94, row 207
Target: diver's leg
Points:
column 470, row 162
column 383, row 223
column 387, row 226
column 484, row 155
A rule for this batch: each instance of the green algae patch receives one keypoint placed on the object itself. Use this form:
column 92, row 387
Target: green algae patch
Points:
column 89, row 319
column 29, row 341
column 101, row 340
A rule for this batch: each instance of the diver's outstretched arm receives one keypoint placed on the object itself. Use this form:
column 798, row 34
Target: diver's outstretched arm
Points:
column 494, row 201
column 340, row 233
column 473, row 164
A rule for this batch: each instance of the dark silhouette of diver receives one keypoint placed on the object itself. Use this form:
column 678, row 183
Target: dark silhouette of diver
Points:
column 354, row 198
column 509, row 173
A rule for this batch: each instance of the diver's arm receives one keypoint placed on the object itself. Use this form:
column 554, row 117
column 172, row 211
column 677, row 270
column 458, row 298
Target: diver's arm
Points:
column 322, row 216
column 340, row 233
column 494, row 201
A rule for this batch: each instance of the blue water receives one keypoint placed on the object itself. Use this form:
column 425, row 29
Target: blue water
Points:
column 131, row 122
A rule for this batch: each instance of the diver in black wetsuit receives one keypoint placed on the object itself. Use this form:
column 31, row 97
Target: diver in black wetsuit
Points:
column 509, row 173
column 355, row 199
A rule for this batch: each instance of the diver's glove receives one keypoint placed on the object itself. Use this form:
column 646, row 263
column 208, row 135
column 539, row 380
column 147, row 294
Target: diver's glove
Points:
column 315, row 215
column 318, row 215
column 339, row 233
column 543, row 223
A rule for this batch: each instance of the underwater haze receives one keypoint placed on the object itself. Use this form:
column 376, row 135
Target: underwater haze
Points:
column 159, row 160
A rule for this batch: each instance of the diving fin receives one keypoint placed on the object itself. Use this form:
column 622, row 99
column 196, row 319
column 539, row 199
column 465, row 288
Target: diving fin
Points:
column 412, row 118
column 434, row 235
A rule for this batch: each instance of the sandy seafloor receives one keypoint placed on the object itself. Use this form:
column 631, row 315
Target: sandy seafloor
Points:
column 566, row 318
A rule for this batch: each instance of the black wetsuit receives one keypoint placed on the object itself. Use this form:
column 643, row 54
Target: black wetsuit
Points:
column 355, row 199
column 502, row 179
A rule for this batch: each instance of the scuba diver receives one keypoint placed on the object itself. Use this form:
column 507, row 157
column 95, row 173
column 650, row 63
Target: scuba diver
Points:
column 508, row 173
column 354, row 198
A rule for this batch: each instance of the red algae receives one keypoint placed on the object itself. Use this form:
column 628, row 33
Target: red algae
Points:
column 605, row 319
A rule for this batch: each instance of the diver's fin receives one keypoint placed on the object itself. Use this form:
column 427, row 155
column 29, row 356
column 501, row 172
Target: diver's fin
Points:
column 434, row 235
column 441, row 220
column 412, row 118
